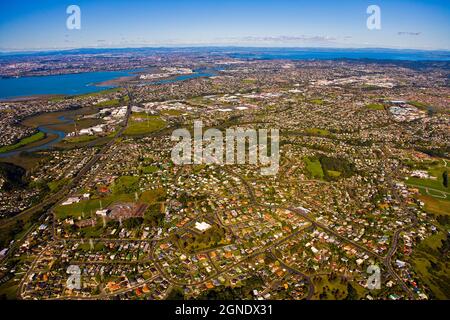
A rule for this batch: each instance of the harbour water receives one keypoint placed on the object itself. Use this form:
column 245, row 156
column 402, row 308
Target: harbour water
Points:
column 333, row 54
column 66, row 84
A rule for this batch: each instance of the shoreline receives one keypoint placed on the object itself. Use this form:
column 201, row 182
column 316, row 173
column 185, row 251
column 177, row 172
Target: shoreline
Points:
column 32, row 97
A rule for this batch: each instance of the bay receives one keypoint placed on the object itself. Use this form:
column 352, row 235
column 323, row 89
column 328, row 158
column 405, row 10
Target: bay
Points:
column 66, row 84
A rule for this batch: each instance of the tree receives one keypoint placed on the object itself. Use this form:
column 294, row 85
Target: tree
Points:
column 352, row 294
column 445, row 178
column 175, row 294
column 132, row 223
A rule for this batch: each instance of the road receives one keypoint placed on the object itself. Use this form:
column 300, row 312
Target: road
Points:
column 388, row 258
column 307, row 278
column 388, row 261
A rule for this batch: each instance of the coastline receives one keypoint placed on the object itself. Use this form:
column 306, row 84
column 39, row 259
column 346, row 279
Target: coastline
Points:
column 32, row 97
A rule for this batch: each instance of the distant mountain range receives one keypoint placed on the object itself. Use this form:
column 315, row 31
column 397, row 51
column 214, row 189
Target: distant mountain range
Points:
column 260, row 53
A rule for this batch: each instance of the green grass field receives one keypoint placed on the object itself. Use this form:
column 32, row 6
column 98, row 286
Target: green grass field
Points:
column 375, row 106
column 109, row 103
column 432, row 267
column 418, row 104
column 56, row 185
column 171, row 112
column 149, row 169
column 99, row 93
column 87, row 247
column 141, row 124
column 25, row 141
column 435, row 205
column 334, row 174
column 9, row 289
column 317, row 101
column 88, row 207
column 152, row 196
column 425, row 185
column 318, row 132
column 428, row 183
column 314, row 168
column 123, row 190
column 125, row 185
column 326, row 289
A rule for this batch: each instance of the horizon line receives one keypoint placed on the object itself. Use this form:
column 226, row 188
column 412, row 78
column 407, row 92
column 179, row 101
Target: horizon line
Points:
column 44, row 50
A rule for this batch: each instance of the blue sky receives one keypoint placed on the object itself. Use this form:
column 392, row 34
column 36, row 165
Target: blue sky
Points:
column 39, row 25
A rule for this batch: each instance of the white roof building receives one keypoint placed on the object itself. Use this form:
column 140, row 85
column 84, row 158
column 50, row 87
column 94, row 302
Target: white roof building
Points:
column 203, row 226
column 102, row 213
column 71, row 200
